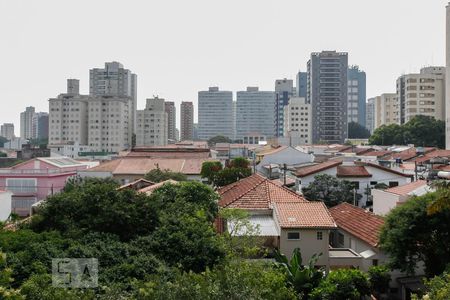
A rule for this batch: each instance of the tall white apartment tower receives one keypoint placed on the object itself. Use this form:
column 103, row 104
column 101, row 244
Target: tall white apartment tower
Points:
column 26, row 123
column 152, row 129
column 447, row 79
column 115, row 80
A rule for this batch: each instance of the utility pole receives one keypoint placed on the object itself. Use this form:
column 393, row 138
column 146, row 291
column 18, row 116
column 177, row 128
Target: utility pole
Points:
column 284, row 169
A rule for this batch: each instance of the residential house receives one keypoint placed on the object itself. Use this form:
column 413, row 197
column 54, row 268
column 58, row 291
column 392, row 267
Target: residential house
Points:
column 35, row 179
column 281, row 155
column 130, row 168
column 385, row 200
column 362, row 174
column 359, row 230
column 284, row 218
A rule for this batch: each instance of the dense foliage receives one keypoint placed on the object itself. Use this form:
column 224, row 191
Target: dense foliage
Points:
column 158, row 175
column 237, row 168
column 331, row 190
column 357, row 131
column 420, row 131
column 438, row 288
column 411, row 235
column 342, row 284
column 379, row 278
column 218, row 139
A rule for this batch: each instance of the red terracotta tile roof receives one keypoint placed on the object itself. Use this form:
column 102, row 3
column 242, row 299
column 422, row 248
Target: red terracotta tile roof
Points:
column 137, row 184
column 407, row 188
column 352, row 171
column 432, row 154
column 374, row 165
column 305, row 171
column 409, row 153
column 142, row 165
column 358, row 222
column 255, row 192
column 377, row 153
column 303, row 215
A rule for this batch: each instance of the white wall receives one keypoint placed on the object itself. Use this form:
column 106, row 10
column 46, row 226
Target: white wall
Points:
column 289, row 156
column 5, row 205
column 384, row 201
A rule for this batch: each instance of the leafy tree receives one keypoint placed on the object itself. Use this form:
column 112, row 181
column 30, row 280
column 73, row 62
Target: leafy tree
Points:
column 438, row 288
column 330, row 190
column 158, row 175
column 379, row 278
column 303, row 278
column 420, row 131
column 240, row 162
column 3, row 154
column 342, row 284
column 218, row 139
column 230, row 175
column 411, row 235
column 388, row 135
column 99, row 207
column 232, row 280
column 357, row 131
column 442, row 201
column 210, row 169
column 242, row 239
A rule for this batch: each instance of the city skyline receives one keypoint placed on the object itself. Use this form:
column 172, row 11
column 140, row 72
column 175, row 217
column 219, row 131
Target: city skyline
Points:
column 207, row 60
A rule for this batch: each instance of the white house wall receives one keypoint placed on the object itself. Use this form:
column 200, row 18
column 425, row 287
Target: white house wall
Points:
column 288, row 156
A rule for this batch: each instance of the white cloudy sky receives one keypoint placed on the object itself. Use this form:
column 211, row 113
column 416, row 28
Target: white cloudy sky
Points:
column 180, row 47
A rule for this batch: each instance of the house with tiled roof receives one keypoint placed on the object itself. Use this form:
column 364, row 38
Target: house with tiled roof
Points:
column 285, row 218
column 277, row 157
column 385, row 200
column 359, row 230
column 128, row 169
column 362, row 174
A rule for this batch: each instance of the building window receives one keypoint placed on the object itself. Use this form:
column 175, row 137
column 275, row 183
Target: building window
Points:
column 293, row 235
column 393, row 183
column 319, row 235
column 21, row 185
column 374, row 262
column 355, row 184
column 341, row 239
column 373, row 183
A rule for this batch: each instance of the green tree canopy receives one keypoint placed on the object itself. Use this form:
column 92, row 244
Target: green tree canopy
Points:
column 357, row 131
column 411, row 235
column 210, row 169
column 330, row 190
column 218, row 139
column 420, row 131
column 158, row 175
column 237, row 168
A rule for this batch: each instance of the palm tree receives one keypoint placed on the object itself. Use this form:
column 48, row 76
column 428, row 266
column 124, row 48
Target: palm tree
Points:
column 442, row 201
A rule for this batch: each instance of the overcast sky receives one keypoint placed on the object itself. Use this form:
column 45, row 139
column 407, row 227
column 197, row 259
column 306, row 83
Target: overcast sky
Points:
column 180, row 47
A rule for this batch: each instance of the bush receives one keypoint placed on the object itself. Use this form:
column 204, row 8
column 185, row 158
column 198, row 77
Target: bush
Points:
column 342, row 284
column 379, row 277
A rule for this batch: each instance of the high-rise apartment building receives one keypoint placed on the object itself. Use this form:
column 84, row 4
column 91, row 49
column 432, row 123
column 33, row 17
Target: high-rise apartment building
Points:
column 7, row 131
column 102, row 122
column 171, row 121
column 215, row 113
column 152, row 125
column 370, row 117
column 40, row 126
column 301, row 82
column 422, row 94
column 68, row 116
column 186, row 121
column 386, row 110
column 298, row 120
column 327, row 94
column 115, row 80
column 284, row 90
column 254, row 113
column 26, row 123
column 356, row 93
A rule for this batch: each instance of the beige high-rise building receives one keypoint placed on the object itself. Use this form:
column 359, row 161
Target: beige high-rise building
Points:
column 7, row 131
column 171, row 121
column 422, row 94
column 152, row 125
column 298, row 120
column 186, row 121
column 26, row 123
column 386, row 110
column 101, row 122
